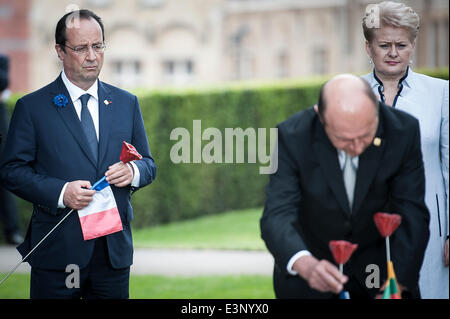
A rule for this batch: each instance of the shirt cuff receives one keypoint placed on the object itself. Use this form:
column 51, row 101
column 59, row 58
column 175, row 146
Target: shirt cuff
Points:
column 137, row 175
column 61, row 197
column 293, row 259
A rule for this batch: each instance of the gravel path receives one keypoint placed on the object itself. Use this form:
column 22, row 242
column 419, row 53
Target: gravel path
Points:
column 176, row 262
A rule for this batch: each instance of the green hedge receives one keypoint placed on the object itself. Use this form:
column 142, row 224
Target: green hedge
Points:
column 187, row 190
column 183, row 191
column 441, row 73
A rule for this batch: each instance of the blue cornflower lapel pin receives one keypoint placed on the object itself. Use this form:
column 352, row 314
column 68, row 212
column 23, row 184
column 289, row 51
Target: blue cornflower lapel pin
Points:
column 60, row 100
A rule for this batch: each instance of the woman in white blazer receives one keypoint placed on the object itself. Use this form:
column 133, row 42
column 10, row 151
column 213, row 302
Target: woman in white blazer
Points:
column 390, row 29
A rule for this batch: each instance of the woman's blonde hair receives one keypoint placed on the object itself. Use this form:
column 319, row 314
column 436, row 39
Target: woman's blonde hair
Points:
column 393, row 14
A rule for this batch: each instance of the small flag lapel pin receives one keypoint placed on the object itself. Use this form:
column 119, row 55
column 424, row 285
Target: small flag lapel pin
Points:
column 107, row 102
column 377, row 141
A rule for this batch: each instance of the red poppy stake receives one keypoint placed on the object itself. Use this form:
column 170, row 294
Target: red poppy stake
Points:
column 342, row 251
column 386, row 225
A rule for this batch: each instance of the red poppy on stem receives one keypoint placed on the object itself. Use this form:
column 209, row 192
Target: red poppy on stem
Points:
column 387, row 223
column 129, row 153
column 342, row 250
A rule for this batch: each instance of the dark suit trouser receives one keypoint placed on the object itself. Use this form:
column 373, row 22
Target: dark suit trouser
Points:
column 97, row 280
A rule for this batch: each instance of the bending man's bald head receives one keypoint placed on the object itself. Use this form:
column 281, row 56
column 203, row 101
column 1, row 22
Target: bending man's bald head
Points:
column 342, row 90
column 348, row 110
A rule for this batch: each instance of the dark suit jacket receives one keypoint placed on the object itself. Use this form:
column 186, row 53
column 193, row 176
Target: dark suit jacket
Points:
column 46, row 148
column 307, row 206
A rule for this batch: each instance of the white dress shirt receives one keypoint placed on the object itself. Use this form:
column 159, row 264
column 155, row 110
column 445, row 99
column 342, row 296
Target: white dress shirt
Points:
column 75, row 93
column 341, row 157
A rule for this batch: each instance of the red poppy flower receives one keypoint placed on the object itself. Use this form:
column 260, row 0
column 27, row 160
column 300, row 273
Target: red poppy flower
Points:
column 342, row 250
column 129, row 153
column 387, row 223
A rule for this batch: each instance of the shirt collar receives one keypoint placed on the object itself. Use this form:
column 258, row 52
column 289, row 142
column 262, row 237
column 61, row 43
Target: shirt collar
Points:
column 407, row 80
column 342, row 155
column 75, row 92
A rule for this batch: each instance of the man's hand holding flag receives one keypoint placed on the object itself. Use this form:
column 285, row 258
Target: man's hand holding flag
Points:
column 101, row 217
column 79, row 195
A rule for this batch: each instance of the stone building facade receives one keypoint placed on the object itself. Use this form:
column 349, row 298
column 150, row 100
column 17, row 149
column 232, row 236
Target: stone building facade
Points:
column 153, row 43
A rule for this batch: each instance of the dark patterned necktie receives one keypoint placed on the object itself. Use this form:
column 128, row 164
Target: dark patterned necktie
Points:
column 88, row 126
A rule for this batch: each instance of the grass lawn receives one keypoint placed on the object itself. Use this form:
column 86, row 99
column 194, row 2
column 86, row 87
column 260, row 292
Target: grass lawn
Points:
column 231, row 230
column 160, row 287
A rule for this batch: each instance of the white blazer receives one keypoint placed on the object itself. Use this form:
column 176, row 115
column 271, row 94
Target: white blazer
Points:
column 426, row 98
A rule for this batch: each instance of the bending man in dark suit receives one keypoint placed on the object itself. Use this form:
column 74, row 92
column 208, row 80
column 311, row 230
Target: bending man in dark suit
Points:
column 310, row 200
column 53, row 156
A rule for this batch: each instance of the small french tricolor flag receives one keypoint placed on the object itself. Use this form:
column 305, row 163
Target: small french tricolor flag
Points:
column 101, row 217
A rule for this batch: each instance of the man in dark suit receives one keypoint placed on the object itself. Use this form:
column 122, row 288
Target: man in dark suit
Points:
column 339, row 163
column 62, row 139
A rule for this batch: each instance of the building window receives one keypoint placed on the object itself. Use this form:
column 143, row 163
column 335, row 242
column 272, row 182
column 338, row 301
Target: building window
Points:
column 282, row 65
column 178, row 72
column 150, row 3
column 243, row 65
column 320, row 60
column 126, row 73
column 241, row 54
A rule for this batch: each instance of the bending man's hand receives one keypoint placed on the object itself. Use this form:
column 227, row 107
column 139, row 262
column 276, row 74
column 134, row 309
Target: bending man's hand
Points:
column 119, row 174
column 320, row 275
column 78, row 194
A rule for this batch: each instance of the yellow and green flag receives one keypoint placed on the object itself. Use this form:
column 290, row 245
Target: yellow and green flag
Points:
column 391, row 291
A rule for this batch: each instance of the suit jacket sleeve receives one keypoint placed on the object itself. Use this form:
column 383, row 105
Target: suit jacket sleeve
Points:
column 407, row 191
column 279, row 223
column 17, row 171
column 146, row 166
